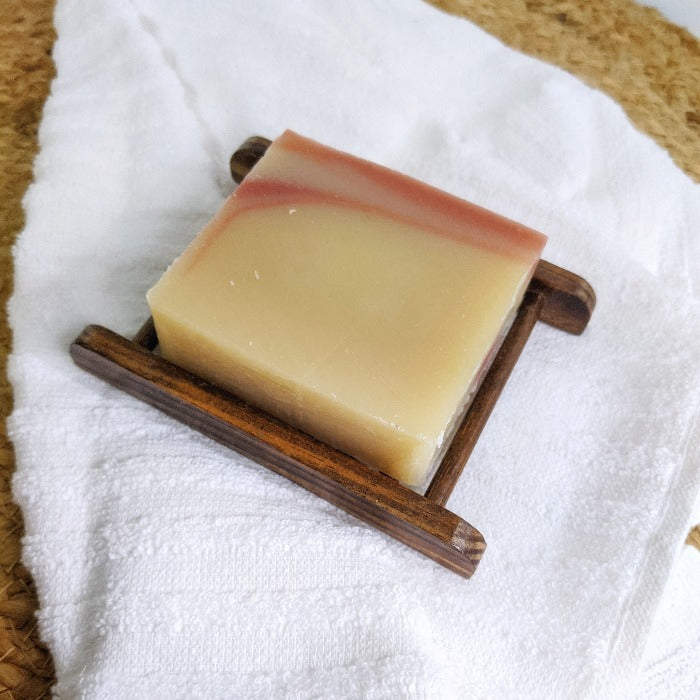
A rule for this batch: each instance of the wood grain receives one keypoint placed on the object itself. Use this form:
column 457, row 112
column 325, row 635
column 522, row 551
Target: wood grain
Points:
column 421, row 522
column 555, row 295
column 250, row 152
column 363, row 492
column 568, row 300
column 418, row 521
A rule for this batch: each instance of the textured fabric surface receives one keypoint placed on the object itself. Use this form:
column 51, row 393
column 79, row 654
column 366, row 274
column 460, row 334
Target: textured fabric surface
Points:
column 671, row 665
column 26, row 34
column 168, row 566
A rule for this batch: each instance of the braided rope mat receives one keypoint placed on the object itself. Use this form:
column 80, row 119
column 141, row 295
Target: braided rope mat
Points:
column 650, row 67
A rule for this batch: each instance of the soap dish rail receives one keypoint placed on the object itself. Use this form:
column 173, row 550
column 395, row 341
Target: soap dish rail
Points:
column 555, row 296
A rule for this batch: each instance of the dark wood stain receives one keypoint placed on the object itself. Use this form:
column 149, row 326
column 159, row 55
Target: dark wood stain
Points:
column 555, row 296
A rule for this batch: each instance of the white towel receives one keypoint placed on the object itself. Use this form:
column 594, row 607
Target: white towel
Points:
column 168, row 566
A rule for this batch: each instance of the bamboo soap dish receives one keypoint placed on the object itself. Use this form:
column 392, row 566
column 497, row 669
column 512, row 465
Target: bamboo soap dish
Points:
column 555, row 296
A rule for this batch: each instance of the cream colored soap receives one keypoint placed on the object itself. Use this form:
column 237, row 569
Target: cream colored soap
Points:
column 352, row 302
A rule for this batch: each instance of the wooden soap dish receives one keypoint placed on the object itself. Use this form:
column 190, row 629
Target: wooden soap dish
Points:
column 555, row 296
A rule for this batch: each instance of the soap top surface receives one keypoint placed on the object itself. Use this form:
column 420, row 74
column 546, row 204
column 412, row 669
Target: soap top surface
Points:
column 346, row 279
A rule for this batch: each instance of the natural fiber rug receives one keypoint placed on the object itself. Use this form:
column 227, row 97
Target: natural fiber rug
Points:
column 26, row 38
column 651, row 68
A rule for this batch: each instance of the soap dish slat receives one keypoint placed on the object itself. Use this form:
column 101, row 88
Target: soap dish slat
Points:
column 554, row 296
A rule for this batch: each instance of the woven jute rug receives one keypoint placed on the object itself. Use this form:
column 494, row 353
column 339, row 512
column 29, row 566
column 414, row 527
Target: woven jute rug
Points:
column 650, row 67
column 26, row 38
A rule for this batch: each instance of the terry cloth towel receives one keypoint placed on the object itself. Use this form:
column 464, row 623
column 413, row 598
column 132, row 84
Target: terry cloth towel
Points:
column 168, row 566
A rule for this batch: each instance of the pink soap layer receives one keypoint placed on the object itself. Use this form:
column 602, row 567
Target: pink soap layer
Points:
column 349, row 181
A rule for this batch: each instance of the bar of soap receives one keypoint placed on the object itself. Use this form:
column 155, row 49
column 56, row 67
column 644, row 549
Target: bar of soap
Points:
column 352, row 302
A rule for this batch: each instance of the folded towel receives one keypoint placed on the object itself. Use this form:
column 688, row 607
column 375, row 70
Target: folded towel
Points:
column 168, row 566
